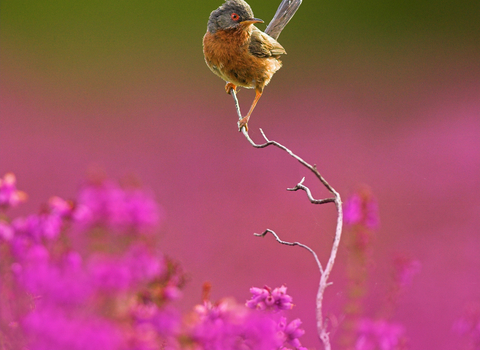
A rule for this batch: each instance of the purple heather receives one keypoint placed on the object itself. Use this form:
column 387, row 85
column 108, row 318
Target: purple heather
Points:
column 267, row 299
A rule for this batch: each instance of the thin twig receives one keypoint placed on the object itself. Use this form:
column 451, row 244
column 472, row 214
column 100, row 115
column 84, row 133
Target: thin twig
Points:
column 301, row 186
column 323, row 284
column 292, row 244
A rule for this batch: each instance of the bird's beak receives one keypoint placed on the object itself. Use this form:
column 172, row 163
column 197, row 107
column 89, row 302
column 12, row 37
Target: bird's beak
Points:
column 252, row 21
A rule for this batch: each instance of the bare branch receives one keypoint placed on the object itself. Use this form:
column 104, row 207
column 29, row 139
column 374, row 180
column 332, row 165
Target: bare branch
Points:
column 301, row 186
column 292, row 244
column 268, row 142
column 323, row 284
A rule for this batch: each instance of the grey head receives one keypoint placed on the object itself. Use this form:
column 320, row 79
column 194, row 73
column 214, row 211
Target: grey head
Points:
column 231, row 15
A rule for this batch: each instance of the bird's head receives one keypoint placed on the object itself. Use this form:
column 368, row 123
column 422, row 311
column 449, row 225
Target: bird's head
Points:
column 233, row 14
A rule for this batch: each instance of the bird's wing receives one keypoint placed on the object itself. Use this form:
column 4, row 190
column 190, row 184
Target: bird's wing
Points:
column 263, row 45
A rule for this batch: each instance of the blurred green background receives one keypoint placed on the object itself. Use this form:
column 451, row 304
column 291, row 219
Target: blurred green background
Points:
column 97, row 48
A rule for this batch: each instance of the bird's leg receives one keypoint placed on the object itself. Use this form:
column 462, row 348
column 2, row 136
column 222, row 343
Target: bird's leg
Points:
column 229, row 87
column 243, row 122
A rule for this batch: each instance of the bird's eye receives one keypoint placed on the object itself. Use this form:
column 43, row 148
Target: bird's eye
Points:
column 235, row 17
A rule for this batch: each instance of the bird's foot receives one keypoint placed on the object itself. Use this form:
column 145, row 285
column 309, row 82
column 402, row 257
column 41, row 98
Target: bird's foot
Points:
column 243, row 123
column 229, row 87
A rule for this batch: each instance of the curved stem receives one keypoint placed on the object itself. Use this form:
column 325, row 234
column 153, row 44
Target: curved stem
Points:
column 323, row 334
column 293, row 244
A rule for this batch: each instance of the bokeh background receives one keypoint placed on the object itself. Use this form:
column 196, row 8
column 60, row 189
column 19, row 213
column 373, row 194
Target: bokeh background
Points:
column 382, row 93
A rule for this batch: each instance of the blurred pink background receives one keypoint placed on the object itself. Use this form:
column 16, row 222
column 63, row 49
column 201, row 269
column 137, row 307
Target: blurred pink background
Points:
column 118, row 88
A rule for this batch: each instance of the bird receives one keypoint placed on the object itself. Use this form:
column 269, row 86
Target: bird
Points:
column 240, row 53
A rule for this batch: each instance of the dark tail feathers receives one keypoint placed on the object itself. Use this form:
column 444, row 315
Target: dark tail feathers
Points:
column 284, row 14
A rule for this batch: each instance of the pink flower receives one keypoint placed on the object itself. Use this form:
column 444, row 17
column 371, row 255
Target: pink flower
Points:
column 362, row 208
column 6, row 231
column 122, row 209
column 229, row 326
column 9, row 195
column 291, row 332
column 267, row 299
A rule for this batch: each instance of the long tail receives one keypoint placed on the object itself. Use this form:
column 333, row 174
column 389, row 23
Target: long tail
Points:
column 284, row 14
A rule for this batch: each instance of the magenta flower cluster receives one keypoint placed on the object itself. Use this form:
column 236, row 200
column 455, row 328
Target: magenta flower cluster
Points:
column 119, row 209
column 228, row 325
column 267, row 299
column 88, row 274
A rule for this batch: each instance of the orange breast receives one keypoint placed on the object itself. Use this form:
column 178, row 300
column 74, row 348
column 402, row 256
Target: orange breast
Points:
column 227, row 55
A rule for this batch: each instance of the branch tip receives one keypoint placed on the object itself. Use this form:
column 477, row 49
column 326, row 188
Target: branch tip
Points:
column 260, row 234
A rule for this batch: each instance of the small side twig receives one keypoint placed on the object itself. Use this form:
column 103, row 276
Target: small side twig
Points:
column 323, row 334
column 301, row 186
column 319, row 264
